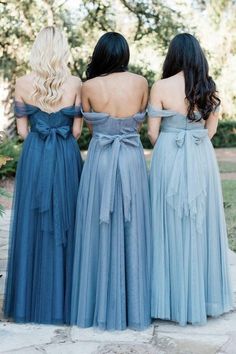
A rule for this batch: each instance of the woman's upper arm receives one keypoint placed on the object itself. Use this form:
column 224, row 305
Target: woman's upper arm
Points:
column 78, row 99
column 145, row 95
column 78, row 119
column 155, row 96
column 18, row 90
column 85, row 92
column 85, row 97
column 22, row 122
column 78, row 93
column 212, row 123
column 154, row 120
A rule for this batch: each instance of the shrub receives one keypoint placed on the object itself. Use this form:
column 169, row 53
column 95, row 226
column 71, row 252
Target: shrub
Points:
column 225, row 137
column 226, row 134
column 3, row 161
column 9, row 148
column 84, row 138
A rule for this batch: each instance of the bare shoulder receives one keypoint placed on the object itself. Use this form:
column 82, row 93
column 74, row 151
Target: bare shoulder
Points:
column 92, row 84
column 159, row 84
column 141, row 80
column 24, row 80
column 75, row 80
column 173, row 82
column 23, row 87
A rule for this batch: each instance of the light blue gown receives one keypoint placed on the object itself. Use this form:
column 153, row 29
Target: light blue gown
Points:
column 111, row 279
column 38, row 286
column 190, row 275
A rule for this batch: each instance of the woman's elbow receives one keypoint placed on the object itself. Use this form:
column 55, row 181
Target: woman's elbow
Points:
column 76, row 133
column 212, row 132
column 152, row 136
column 22, row 133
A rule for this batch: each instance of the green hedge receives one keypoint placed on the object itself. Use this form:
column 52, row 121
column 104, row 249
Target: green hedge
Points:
column 10, row 148
column 84, row 138
column 226, row 134
column 225, row 137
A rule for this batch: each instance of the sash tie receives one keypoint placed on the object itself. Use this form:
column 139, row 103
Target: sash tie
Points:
column 108, row 192
column 53, row 214
column 46, row 131
column 187, row 190
column 197, row 136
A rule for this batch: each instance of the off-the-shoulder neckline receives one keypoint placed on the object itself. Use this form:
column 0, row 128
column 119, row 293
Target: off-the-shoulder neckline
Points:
column 114, row 117
column 41, row 110
column 170, row 111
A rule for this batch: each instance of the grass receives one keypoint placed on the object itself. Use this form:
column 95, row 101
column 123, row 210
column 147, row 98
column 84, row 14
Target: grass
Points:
column 229, row 193
column 226, row 166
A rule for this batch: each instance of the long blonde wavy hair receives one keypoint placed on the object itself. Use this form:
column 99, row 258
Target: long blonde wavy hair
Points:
column 49, row 62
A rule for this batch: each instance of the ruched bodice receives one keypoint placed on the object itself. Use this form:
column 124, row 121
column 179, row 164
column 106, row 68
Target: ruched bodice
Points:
column 40, row 120
column 174, row 120
column 106, row 124
column 116, row 133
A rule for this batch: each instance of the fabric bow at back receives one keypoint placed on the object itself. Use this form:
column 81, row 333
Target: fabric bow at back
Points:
column 108, row 193
column 44, row 189
column 187, row 190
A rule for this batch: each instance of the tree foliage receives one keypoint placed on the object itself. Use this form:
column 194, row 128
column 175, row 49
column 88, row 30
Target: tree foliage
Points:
column 147, row 24
column 154, row 18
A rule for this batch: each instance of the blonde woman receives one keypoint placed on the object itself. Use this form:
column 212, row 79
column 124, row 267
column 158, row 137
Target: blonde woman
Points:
column 47, row 108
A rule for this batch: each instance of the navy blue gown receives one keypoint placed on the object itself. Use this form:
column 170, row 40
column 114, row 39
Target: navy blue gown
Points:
column 38, row 286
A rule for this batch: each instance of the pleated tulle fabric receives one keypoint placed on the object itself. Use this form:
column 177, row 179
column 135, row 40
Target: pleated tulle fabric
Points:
column 190, row 274
column 38, row 286
column 111, row 279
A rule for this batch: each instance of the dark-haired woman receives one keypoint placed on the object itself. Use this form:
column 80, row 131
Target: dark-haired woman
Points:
column 190, row 278
column 111, row 281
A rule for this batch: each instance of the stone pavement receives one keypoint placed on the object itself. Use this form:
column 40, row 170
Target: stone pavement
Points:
column 218, row 336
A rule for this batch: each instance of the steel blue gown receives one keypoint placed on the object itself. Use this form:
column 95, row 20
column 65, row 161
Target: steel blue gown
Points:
column 190, row 274
column 111, row 280
column 38, row 286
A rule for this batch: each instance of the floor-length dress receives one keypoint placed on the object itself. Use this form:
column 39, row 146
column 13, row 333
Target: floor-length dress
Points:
column 111, row 280
column 190, row 275
column 38, row 286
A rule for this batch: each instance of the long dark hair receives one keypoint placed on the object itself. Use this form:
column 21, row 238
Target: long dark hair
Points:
column 185, row 54
column 110, row 55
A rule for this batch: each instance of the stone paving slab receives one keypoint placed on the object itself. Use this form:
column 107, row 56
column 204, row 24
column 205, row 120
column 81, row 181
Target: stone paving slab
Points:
column 21, row 338
column 163, row 337
column 114, row 336
column 189, row 345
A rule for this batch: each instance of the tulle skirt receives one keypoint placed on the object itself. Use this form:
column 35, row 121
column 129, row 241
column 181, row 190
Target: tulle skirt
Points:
column 111, row 280
column 38, row 286
column 190, row 274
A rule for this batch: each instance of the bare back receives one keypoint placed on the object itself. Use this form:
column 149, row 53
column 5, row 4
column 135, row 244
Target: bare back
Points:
column 71, row 92
column 119, row 94
column 169, row 94
column 71, row 96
